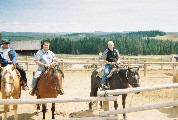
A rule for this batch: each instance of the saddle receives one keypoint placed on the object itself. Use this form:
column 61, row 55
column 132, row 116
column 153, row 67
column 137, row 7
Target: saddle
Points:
column 101, row 72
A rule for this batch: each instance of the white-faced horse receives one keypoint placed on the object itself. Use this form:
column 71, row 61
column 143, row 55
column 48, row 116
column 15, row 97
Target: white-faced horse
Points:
column 10, row 87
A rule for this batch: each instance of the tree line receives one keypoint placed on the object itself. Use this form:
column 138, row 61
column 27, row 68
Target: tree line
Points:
column 128, row 43
column 134, row 43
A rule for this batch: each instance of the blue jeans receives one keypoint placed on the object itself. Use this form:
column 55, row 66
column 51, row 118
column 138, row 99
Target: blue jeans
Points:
column 106, row 73
column 36, row 75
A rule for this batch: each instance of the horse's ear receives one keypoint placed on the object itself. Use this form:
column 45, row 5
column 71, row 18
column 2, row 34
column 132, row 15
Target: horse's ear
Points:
column 129, row 69
column 13, row 67
column 138, row 69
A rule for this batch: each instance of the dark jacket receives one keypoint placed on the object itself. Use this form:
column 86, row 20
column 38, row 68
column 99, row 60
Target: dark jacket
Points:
column 12, row 56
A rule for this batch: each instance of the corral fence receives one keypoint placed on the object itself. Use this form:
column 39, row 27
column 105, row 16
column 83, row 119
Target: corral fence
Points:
column 100, row 63
column 108, row 98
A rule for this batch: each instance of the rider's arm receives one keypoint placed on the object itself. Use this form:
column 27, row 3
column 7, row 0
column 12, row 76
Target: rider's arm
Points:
column 12, row 56
column 41, row 64
column 107, row 62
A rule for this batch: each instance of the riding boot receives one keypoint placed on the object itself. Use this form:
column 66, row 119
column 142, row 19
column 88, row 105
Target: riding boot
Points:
column 33, row 91
column 24, row 84
column 102, row 87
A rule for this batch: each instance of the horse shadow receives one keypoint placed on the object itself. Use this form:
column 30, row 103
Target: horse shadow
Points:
column 170, row 111
column 24, row 116
column 83, row 113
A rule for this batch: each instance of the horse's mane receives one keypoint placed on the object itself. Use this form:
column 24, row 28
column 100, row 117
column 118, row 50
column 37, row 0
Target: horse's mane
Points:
column 9, row 69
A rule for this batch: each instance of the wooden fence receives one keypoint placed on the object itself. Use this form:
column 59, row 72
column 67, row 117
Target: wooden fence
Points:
column 134, row 90
column 109, row 98
column 100, row 63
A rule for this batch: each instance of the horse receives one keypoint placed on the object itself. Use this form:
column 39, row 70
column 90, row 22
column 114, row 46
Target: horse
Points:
column 10, row 87
column 48, row 85
column 175, row 80
column 121, row 79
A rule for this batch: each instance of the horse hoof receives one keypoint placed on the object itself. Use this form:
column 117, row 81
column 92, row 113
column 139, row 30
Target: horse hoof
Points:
column 38, row 113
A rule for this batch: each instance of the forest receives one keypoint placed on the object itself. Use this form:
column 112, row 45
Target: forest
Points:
column 128, row 43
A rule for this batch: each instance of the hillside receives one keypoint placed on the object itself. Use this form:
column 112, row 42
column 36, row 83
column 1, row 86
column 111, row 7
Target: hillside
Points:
column 169, row 36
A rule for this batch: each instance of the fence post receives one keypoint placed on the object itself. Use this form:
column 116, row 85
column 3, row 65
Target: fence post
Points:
column 162, row 63
column 128, row 61
column 27, row 65
column 145, row 68
column 62, row 65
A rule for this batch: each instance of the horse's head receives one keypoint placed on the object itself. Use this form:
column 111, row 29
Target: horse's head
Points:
column 133, row 77
column 8, row 77
column 55, row 74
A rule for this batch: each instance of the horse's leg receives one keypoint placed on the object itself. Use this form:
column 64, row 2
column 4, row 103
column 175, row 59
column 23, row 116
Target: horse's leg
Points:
column 5, row 107
column 53, row 110
column 101, row 104
column 5, row 112
column 175, row 80
column 15, row 112
column 93, row 93
column 90, row 104
column 123, row 104
column 43, row 110
column 17, row 96
column 115, row 105
column 38, row 109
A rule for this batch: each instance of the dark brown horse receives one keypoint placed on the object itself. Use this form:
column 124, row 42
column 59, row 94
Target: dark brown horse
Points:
column 48, row 85
column 120, row 79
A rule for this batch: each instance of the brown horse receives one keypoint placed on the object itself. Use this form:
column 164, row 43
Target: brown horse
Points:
column 120, row 79
column 175, row 80
column 10, row 87
column 48, row 85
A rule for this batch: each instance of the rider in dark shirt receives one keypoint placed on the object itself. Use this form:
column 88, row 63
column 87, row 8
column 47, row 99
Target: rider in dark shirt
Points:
column 111, row 57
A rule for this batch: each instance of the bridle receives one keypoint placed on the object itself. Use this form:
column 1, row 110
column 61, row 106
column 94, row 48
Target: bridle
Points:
column 129, row 78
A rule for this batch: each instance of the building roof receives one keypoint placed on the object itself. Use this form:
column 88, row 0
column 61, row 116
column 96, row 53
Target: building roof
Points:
column 26, row 45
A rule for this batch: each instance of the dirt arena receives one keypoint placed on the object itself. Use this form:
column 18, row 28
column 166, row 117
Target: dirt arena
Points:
column 77, row 84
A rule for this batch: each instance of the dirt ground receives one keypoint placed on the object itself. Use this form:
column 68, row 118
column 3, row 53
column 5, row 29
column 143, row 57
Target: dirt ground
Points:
column 77, row 84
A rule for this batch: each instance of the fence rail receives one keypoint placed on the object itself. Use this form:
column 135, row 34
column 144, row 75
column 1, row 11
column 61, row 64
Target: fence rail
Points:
column 126, row 63
column 140, row 108
column 135, row 90
column 56, row 100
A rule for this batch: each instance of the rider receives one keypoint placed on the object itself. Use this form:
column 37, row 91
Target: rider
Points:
column 111, row 57
column 8, row 56
column 44, row 58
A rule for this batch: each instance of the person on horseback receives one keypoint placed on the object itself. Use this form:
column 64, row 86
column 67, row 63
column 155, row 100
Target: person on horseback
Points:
column 111, row 57
column 8, row 56
column 44, row 58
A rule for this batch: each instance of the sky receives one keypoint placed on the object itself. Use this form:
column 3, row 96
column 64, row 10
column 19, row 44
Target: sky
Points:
column 88, row 15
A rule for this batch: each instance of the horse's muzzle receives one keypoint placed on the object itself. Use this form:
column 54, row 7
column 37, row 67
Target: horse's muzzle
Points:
column 8, row 93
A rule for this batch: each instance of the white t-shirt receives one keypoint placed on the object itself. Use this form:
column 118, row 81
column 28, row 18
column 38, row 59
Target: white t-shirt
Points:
column 4, row 53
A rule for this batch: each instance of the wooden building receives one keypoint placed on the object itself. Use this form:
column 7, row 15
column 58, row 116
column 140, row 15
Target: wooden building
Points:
column 26, row 47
